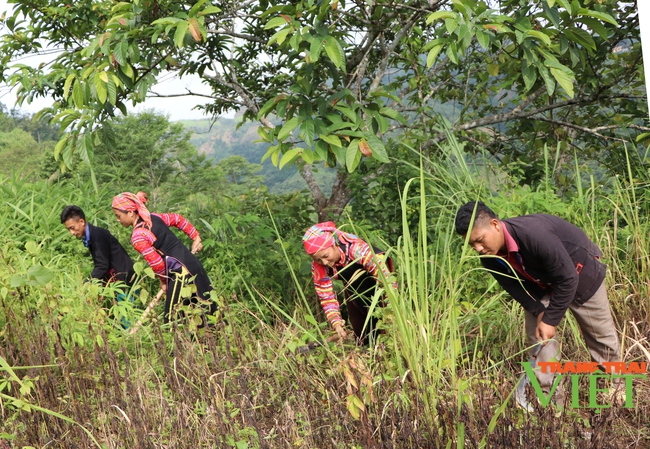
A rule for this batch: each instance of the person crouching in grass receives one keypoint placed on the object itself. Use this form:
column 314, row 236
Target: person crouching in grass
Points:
column 110, row 259
column 549, row 266
column 341, row 255
column 174, row 264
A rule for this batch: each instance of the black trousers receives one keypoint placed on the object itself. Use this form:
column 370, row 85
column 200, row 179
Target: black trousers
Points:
column 360, row 287
column 179, row 279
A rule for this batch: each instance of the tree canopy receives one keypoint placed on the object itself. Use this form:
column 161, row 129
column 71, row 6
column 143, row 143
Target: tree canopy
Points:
column 345, row 77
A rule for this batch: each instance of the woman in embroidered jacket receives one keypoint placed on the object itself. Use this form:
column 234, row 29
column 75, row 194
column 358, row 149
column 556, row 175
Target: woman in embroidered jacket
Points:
column 170, row 259
column 344, row 256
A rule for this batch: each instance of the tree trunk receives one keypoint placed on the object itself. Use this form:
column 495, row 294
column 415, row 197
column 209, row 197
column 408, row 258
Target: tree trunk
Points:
column 328, row 208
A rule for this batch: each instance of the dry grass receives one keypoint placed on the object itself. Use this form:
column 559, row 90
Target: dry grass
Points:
column 227, row 388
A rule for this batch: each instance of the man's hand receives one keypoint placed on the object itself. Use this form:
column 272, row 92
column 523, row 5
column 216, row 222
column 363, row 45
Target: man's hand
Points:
column 340, row 331
column 196, row 245
column 163, row 286
column 544, row 332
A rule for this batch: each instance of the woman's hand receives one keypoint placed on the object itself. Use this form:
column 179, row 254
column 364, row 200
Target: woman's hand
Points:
column 163, row 286
column 340, row 331
column 197, row 245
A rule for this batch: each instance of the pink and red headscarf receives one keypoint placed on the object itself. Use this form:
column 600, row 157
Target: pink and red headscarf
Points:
column 320, row 236
column 127, row 201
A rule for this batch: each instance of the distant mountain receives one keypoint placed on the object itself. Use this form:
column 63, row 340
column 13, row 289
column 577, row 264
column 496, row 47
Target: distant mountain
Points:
column 228, row 137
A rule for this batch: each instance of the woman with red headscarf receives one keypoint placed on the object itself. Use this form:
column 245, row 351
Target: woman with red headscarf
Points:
column 344, row 256
column 172, row 262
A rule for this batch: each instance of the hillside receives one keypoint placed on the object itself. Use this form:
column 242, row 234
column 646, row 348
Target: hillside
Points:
column 228, row 137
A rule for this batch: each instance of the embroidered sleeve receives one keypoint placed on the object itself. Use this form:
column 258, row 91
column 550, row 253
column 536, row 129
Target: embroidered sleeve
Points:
column 326, row 294
column 180, row 222
column 142, row 240
column 361, row 252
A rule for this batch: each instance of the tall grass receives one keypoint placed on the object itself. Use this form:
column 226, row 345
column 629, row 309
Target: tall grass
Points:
column 440, row 376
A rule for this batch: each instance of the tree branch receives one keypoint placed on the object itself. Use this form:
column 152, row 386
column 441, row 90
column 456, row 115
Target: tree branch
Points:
column 313, row 186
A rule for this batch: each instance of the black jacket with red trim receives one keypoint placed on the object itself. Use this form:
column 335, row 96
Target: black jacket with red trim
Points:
column 559, row 256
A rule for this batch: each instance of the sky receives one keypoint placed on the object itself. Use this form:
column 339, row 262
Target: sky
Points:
column 177, row 108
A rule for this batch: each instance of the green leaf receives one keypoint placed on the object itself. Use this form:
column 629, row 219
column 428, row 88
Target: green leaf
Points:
column 265, row 136
column 310, row 319
column 269, row 152
column 209, row 10
column 308, row 156
column 332, row 140
column 307, row 131
column 602, row 16
column 441, row 15
column 451, row 25
column 483, row 39
column 452, row 52
column 581, row 37
column 347, row 111
column 539, row 35
column 322, row 149
column 433, row 54
column 334, row 51
column 529, row 75
column 381, row 121
column 551, row 13
column 288, row 127
column 267, row 107
column 112, row 91
column 167, row 21
column 564, row 80
column 67, row 85
column 392, row 113
column 83, row 146
column 40, row 274
column 596, row 26
column 32, row 248
column 275, row 22
column 59, row 146
column 280, row 36
column 69, row 118
column 77, row 94
column 377, row 147
column 127, row 70
column 274, row 158
column 17, row 281
column 352, row 156
column 195, row 9
column 642, row 137
column 548, row 79
column 315, row 48
column 122, row 107
column 493, row 69
column 289, row 156
column 179, row 35
column 100, row 88
column 121, row 52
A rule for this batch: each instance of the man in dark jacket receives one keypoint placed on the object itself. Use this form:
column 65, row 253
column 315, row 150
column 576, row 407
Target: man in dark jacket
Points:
column 112, row 263
column 556, row 267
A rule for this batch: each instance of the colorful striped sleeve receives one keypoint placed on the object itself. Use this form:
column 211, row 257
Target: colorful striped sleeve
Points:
column 360, row 252
column 180, row 222
column 142, row 240
column 326, row 294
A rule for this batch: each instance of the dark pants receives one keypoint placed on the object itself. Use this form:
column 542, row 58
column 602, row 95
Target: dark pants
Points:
column 360, row 287
column 179, row 279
